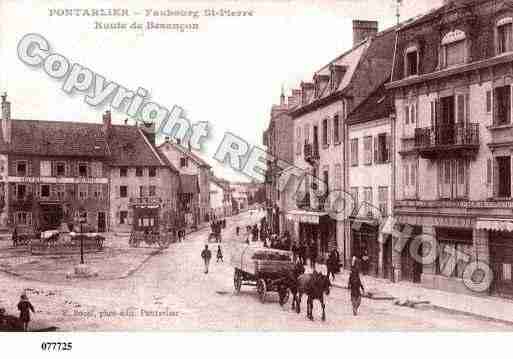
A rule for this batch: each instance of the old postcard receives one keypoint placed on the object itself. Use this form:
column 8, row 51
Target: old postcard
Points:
column 256, row 166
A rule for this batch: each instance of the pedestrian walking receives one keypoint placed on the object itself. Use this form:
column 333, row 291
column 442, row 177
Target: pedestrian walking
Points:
column 295, row 252
column 332, row 265
column 302, row 253
column 219, row 254
column 356, row 287
column 25, row 307
column 237, row 230
column 312, row 253
column 206, row 254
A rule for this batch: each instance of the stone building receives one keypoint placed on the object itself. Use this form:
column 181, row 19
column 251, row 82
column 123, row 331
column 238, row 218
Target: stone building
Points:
column 451, row 83
column 190, row 164
column 369, row 168
column 144, row 184
column 278, row 138
column 319, row 146
column 53, row 172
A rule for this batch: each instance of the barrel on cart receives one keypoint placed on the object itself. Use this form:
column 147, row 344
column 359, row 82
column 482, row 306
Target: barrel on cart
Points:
column 262, row 268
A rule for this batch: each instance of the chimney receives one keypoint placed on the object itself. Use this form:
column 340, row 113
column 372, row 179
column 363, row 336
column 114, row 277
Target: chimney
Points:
column 296, row 94
column 149, row 131
column 282, row 97
column 363, row 29
column 306, row 91
column 107, row 123
column 6, row 119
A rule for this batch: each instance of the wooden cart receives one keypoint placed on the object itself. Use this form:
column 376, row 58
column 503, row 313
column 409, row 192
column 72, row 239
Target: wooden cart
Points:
column 262, row 268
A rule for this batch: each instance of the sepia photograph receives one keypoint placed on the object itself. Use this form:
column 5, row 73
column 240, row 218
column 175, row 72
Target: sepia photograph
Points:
column 305, row 167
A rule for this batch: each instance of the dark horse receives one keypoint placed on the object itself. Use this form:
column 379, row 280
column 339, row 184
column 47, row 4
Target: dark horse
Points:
column 289, row 281
column 314, row 285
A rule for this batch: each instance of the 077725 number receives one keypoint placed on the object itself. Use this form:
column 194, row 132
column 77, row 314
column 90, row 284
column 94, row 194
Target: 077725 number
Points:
column 55, row 346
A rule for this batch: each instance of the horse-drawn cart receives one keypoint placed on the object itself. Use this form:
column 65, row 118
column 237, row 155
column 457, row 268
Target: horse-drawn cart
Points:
column 262, row 268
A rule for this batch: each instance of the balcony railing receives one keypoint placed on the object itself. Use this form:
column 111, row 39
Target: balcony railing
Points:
column 311, row 153
column 453, row 140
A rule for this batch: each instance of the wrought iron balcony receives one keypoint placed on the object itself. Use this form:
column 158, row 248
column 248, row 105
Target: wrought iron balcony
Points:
column 311, row 152
column 448, row 140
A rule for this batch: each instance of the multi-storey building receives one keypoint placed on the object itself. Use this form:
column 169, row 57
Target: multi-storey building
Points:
column 278, row 138
column 53, row 172
column 369, row 168
column 220, row 197
column 451, row 83
column 189, row 164
column 144, row 184
column 240, row 195
column 319, row 143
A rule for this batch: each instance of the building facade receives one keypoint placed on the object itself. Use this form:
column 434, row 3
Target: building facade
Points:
column 451, row 83
column 144, row 184
column 278, row 138
column 188, row 163
column 53, row 172
column 369, row 168
column 319, row 139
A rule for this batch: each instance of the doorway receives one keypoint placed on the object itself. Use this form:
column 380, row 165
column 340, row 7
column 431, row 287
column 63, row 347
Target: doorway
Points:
column 51, row 216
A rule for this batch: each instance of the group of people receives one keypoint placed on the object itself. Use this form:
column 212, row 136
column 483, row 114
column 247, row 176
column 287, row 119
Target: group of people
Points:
column 206, row 255
column 216, row 227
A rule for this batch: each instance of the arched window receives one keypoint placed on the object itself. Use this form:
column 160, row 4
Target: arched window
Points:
column 411, row 61
column 453, row 49
column 503, row 35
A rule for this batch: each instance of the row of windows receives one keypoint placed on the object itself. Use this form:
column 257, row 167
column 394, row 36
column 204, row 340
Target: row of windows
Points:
column 21, row 191
column 375, row 149
column 139, row 171
column 454, row 110
column 82, row 169
column 331, row 133
column 143, row 191
column 366, row 206
column 60, row 169
column 454, row 48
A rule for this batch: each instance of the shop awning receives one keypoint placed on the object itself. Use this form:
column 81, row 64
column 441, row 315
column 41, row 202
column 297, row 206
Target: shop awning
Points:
column 495, row 224
column 305, row 216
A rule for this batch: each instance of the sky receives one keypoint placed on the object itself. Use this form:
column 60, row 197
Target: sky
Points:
column 229, row 72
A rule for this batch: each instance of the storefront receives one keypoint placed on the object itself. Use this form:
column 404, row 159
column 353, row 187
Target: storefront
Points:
column 315, row 227
column 365, row 245
column 500, row 242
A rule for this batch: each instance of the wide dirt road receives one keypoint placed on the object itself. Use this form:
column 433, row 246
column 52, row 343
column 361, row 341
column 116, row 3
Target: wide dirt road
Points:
column 171, row 292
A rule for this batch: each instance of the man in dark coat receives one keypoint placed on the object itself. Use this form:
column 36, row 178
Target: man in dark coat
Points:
column 25, row 307
column 312, row 253
column 332, row 264
column 356, row 287
column 302, row 253
column 206, row 254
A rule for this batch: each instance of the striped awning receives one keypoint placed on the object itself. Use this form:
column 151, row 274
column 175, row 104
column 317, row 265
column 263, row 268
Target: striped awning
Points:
column 495, row 224
column 301, row 216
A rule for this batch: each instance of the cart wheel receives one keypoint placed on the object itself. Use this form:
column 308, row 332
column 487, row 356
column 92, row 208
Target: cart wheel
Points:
column 261, row 289
column 284, row 294
column 237, row 281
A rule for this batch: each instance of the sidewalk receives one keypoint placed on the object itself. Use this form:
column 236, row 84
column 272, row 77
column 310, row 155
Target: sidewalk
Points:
column 382, row 289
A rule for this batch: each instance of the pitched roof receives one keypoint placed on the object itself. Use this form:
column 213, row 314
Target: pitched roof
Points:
column 194, row 157
column 378, row 105
column 56, row 138
column 224, row 184
column 129, row 147
column 189, row 184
